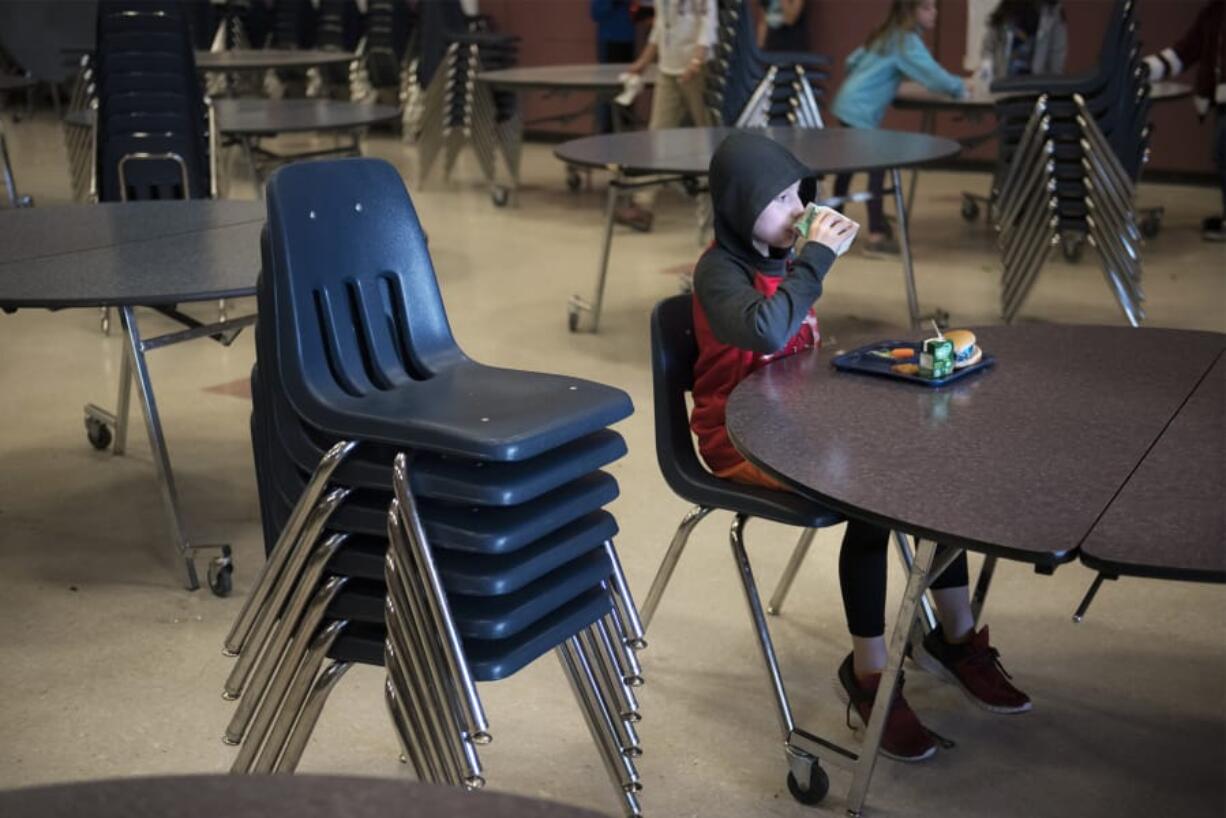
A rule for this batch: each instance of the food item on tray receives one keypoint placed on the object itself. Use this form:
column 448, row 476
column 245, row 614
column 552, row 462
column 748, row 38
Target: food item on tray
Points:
column 966, row 351
column 905, row 369
column 902, row 353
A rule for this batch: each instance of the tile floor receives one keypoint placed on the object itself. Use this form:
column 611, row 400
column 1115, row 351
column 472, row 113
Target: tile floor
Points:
column 109, row 668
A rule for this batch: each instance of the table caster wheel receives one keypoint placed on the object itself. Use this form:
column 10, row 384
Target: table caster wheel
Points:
column 573, row 181
column 99, row 433
column 221, row 573
column 500, row 196
column 1151, row 225
column 572, row 320
column 816, row 788
column 970, row 209
column 691, row 185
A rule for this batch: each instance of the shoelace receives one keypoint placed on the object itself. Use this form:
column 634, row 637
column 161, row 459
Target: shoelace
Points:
column 986, row 658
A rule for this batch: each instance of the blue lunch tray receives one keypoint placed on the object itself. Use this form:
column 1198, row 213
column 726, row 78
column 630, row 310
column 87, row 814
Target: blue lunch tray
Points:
column 863, row 360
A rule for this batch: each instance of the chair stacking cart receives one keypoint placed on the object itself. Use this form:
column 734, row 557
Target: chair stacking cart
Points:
column 423, row 512
column 1072, row 150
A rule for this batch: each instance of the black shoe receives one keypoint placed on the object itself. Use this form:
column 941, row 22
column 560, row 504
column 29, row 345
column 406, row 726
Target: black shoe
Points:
column 1212, row 229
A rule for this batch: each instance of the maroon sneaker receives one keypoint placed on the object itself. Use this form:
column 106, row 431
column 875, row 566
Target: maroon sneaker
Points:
column 975, row 667
column 904, row 738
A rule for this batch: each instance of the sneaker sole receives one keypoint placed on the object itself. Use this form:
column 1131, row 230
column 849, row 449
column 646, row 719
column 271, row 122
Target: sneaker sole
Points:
column 925, row 660
column 841, row 692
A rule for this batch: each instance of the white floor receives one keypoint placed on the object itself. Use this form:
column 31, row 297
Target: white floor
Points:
column 109, row 668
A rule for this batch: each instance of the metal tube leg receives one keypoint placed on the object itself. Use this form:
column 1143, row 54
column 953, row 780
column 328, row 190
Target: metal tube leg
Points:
column 283, row 588
column 577, row 303
column 627, row 774
column 633, row 671
column 309, row 717
column 629, row 702
column 295, row 697
column 928, row 618
column 917, row 582
column 405, row 735
column 904, row 244
column 627, row 737
column 122, row 411
column 736, row 538
column 428, row 756
column 599, row 738
column 276, row 690
column 982, row 584
column 405, row 506
column 665, row 572
column 157, row 443
column 625, row 599
column 789, row 571
column 285, row 545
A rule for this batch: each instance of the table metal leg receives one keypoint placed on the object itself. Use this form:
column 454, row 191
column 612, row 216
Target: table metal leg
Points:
column 917, row 582
column 249, row 152
column 122, row 403
column 927, row 125
column 904, row 244
column 578, row 304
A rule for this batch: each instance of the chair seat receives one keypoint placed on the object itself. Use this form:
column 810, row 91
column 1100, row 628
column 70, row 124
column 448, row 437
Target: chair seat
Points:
column 463, row 572
column 705, row 489
column 447, row 478
column 475, row 411
column 480, row 529
column 489, row 660
column 498, row 617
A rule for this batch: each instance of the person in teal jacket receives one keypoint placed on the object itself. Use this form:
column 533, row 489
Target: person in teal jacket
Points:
column 892, row 53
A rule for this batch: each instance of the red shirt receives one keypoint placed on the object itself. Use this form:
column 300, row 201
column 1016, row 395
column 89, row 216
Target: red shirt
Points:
column 720, row 367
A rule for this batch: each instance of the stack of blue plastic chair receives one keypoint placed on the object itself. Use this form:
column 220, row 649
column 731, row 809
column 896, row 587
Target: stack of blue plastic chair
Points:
column 340, row 28
column 457, row 110
column 423, row 512
column 747, row 87
column 389, row 27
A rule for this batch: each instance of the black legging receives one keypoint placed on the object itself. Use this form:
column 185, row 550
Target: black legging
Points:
column 862, row 576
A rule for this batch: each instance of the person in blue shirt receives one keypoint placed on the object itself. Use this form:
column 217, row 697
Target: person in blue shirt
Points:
column 893, row 52
column 614, row 44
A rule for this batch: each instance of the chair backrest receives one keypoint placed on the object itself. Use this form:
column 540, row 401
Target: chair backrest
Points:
column 674, row 351
column 357, row 305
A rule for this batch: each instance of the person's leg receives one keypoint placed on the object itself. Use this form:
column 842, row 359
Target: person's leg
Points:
column 862, row 577
column 668, row 107
column 604, row 110
column 842, row 183
column 961, row 655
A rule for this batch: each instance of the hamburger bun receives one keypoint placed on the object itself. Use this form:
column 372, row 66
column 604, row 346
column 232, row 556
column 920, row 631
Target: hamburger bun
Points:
column 966, row 352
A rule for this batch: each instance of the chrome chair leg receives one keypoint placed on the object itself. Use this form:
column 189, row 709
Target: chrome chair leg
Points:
column 625, row 773
column 789, row 572
column 632, row 671
column 628, row 701
column 269, row 654
column 665, row 573
column 783, row 707
column 285, row 545
column 405, row 736
column 405, row 506
column 280, row 590
column 123, row 404
column 295, row 699
column 611, row 762
column 430, row 756
column 259, row 725
column 623, row 730
column 305, row 726
column 625, row 600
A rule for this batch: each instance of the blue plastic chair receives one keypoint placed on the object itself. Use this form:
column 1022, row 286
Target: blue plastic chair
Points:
column 673, row 354
column 369, row 354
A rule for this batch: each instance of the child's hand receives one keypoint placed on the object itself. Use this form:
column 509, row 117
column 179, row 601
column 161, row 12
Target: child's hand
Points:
column 832, row 229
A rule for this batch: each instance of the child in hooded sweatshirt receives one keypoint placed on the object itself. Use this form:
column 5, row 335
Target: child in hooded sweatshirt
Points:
column 753, row 303
column 874, row 71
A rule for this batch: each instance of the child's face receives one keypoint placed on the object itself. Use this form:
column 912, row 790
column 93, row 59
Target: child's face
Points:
column 926, row 14
column 774, row 224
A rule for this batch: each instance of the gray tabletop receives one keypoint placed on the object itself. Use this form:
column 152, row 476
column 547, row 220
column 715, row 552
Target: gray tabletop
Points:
column 264, row 117
column 590, row 77
column 913, row 96
column 116, row 253
column 257, row 59
column 270, row 796
column 1019, row 460
column 1177, row 495
column 689, row 150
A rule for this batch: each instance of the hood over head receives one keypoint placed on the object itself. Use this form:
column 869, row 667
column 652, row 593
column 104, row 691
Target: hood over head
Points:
column 747, row 171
